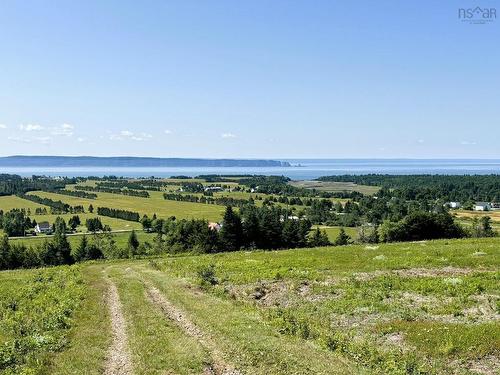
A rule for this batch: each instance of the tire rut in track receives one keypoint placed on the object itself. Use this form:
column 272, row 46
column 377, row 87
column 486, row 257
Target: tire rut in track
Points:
column 218, row 366
column 118, row 361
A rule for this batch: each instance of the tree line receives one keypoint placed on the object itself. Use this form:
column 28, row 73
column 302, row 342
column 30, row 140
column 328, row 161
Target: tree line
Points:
column 11, row 184
column 74, row 193
column 222, row 201
column 118, row 214
column 424, row 187
column 56, row 207
column 102, row 189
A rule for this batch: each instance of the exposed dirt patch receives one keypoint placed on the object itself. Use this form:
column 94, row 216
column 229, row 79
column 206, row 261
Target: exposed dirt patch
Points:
column 489, row 365
column 281, row 293
column 433, row 272
column 418, row 272
column 485, row 310
column 118, row 361
column 218, row 366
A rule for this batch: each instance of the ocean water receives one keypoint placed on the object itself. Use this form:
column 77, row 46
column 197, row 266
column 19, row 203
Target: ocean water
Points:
column 302, row 169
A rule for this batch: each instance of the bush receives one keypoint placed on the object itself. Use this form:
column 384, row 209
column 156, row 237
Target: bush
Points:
column 206, row 276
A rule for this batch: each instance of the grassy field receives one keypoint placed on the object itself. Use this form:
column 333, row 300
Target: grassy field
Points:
column 335, row 186
column 495, row 215
column 333, row 232
column 10, row 202
column 428, row 307
column 154, row 204
column 120, row 238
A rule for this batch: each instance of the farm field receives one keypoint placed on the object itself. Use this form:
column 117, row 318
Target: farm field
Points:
column 495, row 215
column 331, row 186
column 333, row 232
column 120, row 238
column 10, row 202
column 149, row 206
column 397, row 308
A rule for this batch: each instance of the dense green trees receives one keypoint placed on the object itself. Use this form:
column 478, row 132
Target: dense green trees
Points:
column 119, row 214
column 16, row 185
column 319, row 238
column 481, row 227
column 428, row 187
column 74, row 222
column 74, row 193
column 421, row 226
column 15, row 223
column 342, row 239
column 86, row 250
column 102, row 189
column 94, row 224
column 231, row 234
column 132, row 244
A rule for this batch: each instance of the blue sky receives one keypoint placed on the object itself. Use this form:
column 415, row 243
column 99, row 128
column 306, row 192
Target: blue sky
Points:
column 248, row 79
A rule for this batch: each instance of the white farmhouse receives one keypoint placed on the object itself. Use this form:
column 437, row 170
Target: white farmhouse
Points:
column 482, row 206
column 43, row 227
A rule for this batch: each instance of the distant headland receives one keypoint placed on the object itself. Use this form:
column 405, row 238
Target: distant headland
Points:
column 131, row 162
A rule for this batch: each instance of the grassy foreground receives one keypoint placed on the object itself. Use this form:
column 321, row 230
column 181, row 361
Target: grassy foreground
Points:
column 408, row 308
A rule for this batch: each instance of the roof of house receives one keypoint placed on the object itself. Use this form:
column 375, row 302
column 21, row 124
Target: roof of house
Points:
column 482, row 203
column 44, row 225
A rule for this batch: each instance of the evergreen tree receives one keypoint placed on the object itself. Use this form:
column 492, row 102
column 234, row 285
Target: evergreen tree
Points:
column 94, row 224
column 60, row 243
column 146, row 223
column 80, row 252
column 74, row 222
column 132, row 244
column 231, row 234
column 4, row 253
column 251, row 227
column 290, row 234
column 342, row 239
column 91, row 208
column 319, row 238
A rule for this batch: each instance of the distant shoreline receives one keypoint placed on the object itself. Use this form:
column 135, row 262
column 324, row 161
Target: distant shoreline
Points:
column 132, row 162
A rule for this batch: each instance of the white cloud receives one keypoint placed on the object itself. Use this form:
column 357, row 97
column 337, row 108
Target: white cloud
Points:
column 468, row 143
column 19, row 139
column 127, row 134
column 167, row 131
column 30, row 127
column 81, row 139
column 228, row 135
column 44, row 140
column 64, row 129
column 420, row 141
column 3, row 126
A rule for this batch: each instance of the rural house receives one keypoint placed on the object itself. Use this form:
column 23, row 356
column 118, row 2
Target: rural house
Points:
column 482, row 206
column 214, row 226
column 43, row 227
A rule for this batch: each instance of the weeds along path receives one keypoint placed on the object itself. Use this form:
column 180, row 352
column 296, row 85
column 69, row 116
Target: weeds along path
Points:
column 118, row 360
column 235, row 336
column 218, row 366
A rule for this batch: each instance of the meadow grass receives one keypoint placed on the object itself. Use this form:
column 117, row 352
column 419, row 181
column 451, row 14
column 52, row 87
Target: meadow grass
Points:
column 120, row 238
column 372, row 304
column 90, row 337
column 424, row 307
column 332, row 186
column 9, row 202
column 156, row 204
column 333, row 231
column 157, row 345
